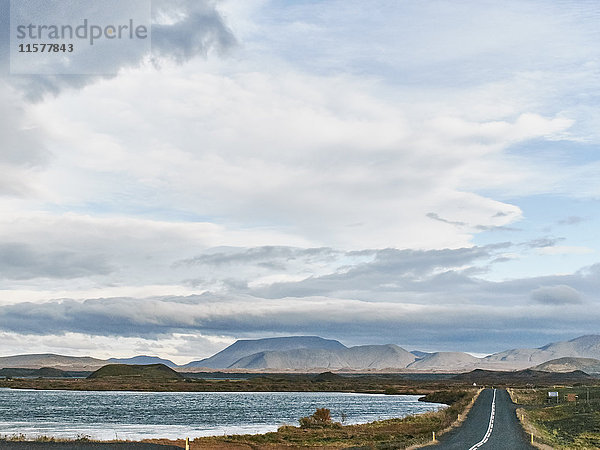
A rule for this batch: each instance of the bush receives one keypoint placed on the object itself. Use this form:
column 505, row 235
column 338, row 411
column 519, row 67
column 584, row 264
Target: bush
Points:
column 321, row 418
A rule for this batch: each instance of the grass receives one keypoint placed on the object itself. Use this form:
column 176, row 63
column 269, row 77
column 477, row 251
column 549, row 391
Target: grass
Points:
column 42, row 438
column 566, row 425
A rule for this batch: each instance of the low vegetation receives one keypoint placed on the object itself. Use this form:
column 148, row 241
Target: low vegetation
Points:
column 117, row 377
column 572, row 423
column 321, row 418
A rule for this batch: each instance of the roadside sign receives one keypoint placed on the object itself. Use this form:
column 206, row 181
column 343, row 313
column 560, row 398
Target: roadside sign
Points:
column 552, row 394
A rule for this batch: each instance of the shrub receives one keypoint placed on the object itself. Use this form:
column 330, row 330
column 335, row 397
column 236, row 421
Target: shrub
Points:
column 321, row 418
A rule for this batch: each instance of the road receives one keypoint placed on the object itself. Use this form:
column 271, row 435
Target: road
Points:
column 491, row 424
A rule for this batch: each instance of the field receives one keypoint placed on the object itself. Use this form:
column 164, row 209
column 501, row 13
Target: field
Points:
column 567, row 425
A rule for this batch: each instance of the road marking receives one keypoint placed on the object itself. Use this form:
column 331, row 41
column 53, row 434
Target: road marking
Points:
column 490, row 426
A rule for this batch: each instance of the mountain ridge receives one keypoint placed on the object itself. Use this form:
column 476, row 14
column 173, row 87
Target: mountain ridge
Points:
column 306, row 353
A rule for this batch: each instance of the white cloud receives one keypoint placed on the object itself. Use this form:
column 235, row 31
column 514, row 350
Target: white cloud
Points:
column 565, row 250
column 556, row 295
column 321, row 158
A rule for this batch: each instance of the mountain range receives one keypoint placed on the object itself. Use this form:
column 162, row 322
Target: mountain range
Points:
column 312, row 353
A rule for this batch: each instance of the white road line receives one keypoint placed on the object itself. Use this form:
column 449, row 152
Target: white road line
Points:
column 490, row 426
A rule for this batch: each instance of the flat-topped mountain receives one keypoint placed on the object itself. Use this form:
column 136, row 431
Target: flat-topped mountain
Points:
column 360, row 357
column 242, row 348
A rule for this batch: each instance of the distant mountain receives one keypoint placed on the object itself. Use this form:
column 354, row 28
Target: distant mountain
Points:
column 242, row 348
column 361, row 357
column 75, row 363
column 443, row 361
column 148, row 372
column 308, row 353
column 143, row 360
column 581, row 347
column 587, row 365
column 50, row 360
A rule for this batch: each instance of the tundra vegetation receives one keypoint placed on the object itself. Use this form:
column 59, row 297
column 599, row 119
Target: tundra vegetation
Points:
column 569, row 421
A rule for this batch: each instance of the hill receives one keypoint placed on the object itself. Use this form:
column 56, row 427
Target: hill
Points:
column 360, row 357
column 526, row 376
column 242, row 348
column 145, row 372
column 561, row 365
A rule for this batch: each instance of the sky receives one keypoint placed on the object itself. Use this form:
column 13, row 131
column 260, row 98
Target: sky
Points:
column 419, row 173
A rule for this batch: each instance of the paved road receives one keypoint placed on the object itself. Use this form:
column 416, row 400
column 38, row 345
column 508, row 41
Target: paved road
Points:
column 491, row 424
column 82, row 446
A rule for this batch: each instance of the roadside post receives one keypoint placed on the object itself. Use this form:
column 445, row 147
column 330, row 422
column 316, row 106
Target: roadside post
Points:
column 187, row 443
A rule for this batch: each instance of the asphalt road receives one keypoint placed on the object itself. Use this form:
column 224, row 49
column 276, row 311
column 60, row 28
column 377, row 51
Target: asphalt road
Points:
column 82, row 445
column 491, row 424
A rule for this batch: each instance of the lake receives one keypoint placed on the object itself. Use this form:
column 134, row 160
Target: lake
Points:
column 140, row 415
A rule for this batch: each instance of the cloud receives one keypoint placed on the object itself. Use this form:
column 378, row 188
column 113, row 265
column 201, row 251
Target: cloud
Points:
column 556, row 295
column 543, row 242
column 181, row 30
column 23, row 151
column 264, row 256
column 22, row 262
column 360, row 172
column 405, row 297
column 354, row 320
column 565, row 250
column 571, row 220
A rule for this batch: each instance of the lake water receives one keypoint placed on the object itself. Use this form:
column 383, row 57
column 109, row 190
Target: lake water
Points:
column 139, row 415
